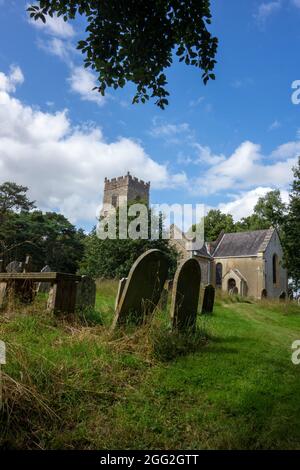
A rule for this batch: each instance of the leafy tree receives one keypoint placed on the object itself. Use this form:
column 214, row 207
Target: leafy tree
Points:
column 135, row 40
column 13, row 197
column 215, row 221
column 268, row 211
column 113, row 258
column 50, row 238
column 292, row 231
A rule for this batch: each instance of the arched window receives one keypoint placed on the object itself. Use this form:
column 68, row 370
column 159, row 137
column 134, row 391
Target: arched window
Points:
column 275, row 268
column 219, row 274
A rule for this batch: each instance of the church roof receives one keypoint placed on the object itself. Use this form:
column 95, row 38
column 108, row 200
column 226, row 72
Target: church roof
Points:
column 243, row 243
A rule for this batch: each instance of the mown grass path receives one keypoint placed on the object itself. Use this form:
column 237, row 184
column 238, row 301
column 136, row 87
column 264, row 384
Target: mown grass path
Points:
column 74, row 385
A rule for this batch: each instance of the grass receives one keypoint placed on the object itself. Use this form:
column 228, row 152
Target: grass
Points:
column 72, row 384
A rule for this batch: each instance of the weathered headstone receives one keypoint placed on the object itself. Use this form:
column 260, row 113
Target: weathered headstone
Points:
column 208, row 299
column 282, row 296
column 121, row 286
column 14, row 267
column 143, row 288
column 3, row 294
column 44, row 287
column 62, row 297
column 27, row 266
column 163, row 302
column 85, row 293
column 185, row 295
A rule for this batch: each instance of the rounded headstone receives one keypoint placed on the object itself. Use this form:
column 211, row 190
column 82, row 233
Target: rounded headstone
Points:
column 143, row 288
column 185, row 295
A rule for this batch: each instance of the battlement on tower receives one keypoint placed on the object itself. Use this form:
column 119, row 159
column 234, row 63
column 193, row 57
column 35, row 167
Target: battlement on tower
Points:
column 125, row 180
column 125, row 189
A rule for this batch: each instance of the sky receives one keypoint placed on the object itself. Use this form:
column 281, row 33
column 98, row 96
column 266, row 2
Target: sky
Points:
column 223, row 145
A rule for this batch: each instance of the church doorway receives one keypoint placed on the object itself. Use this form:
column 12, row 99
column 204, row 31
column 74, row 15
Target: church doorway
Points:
column 231, row 285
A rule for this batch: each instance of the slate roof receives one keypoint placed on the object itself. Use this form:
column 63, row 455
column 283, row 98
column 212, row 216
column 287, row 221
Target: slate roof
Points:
column 243, row 243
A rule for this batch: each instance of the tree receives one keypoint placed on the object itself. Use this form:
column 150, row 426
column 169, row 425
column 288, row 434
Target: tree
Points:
column 113, row 258
column 214, row 222
column 13, row 197
column 49, row 238
column 135, row 40
column 292, row 231
column 268, row 211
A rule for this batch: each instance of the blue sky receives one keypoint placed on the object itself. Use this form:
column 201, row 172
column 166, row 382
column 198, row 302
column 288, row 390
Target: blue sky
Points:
column 223, row 145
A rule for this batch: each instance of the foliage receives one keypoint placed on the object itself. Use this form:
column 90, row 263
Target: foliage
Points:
column 292, row 231
column 268, row 211
column 134, row 41
column 113, row 258
column 13, row 197
column 49, row 237
column 215, row 221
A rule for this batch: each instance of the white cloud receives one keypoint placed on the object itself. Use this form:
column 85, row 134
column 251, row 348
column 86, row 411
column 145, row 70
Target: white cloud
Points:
column 64, row 166
column 164, row 129
column 205, row 155
column 58, row 47
column 246, row 169
column 55, row 26
column 266, row 9
column 288, row 150
column 82, row 81
column 242, row 204
column 9, row 82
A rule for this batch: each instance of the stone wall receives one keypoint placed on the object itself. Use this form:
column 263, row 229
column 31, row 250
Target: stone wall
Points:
column 281, row 285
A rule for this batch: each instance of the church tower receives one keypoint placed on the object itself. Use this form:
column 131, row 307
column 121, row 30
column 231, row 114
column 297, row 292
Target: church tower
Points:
column 123, row 190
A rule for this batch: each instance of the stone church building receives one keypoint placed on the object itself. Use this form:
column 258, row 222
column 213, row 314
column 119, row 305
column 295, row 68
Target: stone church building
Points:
column 245, row 263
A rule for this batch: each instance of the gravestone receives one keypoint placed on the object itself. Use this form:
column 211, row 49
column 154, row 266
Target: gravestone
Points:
column 3, row 294
column 121, row 286
column 208, row 299
column 282, row 296
column 163, row 302
column 44, row 287
column 143, row 288
column 85, row 293
column 27, row 266
column 185, row 295
column 14, row 267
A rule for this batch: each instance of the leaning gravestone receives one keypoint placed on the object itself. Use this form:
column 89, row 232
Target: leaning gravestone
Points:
column 143, row 288
column 208, row 299
column 185, row 295
column 44, row 287
column 85, row 293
